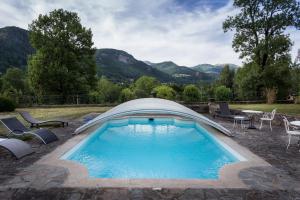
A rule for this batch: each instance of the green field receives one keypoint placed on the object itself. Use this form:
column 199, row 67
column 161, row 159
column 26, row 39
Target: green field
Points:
column 289, row 109
column 69, row 113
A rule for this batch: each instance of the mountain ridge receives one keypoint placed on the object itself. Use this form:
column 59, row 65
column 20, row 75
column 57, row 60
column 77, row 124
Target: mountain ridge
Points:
column 14, row 48
column 117, row 65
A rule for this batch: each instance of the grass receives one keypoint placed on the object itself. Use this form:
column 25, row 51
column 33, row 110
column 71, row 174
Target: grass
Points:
column 69, row 113
column 64, row 112
column 289, row 109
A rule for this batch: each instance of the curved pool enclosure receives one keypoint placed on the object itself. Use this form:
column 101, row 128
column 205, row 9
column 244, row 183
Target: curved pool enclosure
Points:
column 151, row 106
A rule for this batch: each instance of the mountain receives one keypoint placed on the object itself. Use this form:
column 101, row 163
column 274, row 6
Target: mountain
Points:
column 117, row 65
column 120, row 66
column 213, row 69
column 181, row 74
column 14, row 48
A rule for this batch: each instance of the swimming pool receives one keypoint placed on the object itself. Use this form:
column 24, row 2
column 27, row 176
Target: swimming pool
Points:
column 159, row 148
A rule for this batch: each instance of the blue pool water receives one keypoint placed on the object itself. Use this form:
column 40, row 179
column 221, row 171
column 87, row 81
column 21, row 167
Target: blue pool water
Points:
column 164, row 148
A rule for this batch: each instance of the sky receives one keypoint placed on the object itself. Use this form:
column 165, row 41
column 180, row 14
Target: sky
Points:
column 187, row 32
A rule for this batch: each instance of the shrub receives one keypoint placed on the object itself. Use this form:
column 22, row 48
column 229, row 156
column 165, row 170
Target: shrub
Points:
column 222, row 93
column 126, row 95
column 144, row 86
column 6, row 104
column 139, row 93
column 165, row 92
column 108, row 91
column 191, row 93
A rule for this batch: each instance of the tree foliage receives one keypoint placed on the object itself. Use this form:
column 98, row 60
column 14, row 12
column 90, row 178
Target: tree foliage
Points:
column 260, row 35
column 165, row 92
column 191, row 93
column 64, row 60
column 144, row 86
column 15, row 78
column 227, row 77
column 107, row 91
column 247, row 82
column 126, row 95
column 6, row 104
column 14, row 84
column 223, row 93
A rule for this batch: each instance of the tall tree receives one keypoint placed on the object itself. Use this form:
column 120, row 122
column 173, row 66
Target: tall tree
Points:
column 64, row 61
column 227, row 77
column 260, row 35
column 247, row 82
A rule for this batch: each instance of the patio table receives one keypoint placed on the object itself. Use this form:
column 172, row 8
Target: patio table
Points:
column 251, row 114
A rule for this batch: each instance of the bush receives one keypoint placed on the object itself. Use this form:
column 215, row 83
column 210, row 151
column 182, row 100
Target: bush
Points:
column 126, row 95
column 144, row 86
column 222, row 93
column 165, row 92
column 108, row 91
column 191, row 93
column 139, row 93
column 6, row 104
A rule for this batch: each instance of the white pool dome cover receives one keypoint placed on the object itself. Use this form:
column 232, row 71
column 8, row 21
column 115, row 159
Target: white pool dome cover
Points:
column 151, row 106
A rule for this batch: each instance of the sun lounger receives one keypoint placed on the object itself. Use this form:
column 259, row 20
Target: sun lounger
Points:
column 17, row 147
column 36, row 123
column 17, row 128
column 224, row 111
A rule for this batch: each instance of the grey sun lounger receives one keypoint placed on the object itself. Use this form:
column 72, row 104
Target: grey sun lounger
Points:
column 35, row 123
column 225, row 112
column 16, row 147
column 17, row 128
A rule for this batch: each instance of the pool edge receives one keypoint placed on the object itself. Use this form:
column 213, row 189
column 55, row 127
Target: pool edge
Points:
column 228, row 174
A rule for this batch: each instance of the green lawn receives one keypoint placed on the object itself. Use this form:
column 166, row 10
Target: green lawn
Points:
column 290, row 109
column 63, row 112
column 69, row 113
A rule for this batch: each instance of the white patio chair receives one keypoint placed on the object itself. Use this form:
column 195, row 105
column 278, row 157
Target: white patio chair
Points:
column 268, row 117
column 291, row 133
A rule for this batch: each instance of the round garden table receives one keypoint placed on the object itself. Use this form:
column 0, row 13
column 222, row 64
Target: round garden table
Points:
column 251, row 114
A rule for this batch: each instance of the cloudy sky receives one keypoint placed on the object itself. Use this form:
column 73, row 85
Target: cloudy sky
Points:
column 188, row 32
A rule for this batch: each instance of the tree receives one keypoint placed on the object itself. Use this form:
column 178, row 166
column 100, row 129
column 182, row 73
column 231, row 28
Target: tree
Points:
column 107, row 91
column 227, row 77
column 144, row 86
column 259, row 35
column 165, row 92
column 15, row 78
column 247, row 82
column 126, row 95
column 295, row 72
column 14, row 84
column 222, row 93
column 191, row 93
column 64, row 61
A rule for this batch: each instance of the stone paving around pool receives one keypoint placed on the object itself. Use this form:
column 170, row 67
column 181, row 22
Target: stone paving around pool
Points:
column 23, row 179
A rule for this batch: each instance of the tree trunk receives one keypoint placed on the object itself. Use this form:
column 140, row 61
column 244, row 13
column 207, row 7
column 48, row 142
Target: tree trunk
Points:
column 271, row 95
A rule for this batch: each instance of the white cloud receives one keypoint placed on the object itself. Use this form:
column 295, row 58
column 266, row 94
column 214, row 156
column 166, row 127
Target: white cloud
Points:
column 149, row 30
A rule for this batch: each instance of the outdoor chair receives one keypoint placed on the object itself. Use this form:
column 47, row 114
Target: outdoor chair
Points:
column 17, row 128
column 291, row 133
column 35, row 123
column 269, row 117
column 16, row 147
column 224, row 111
